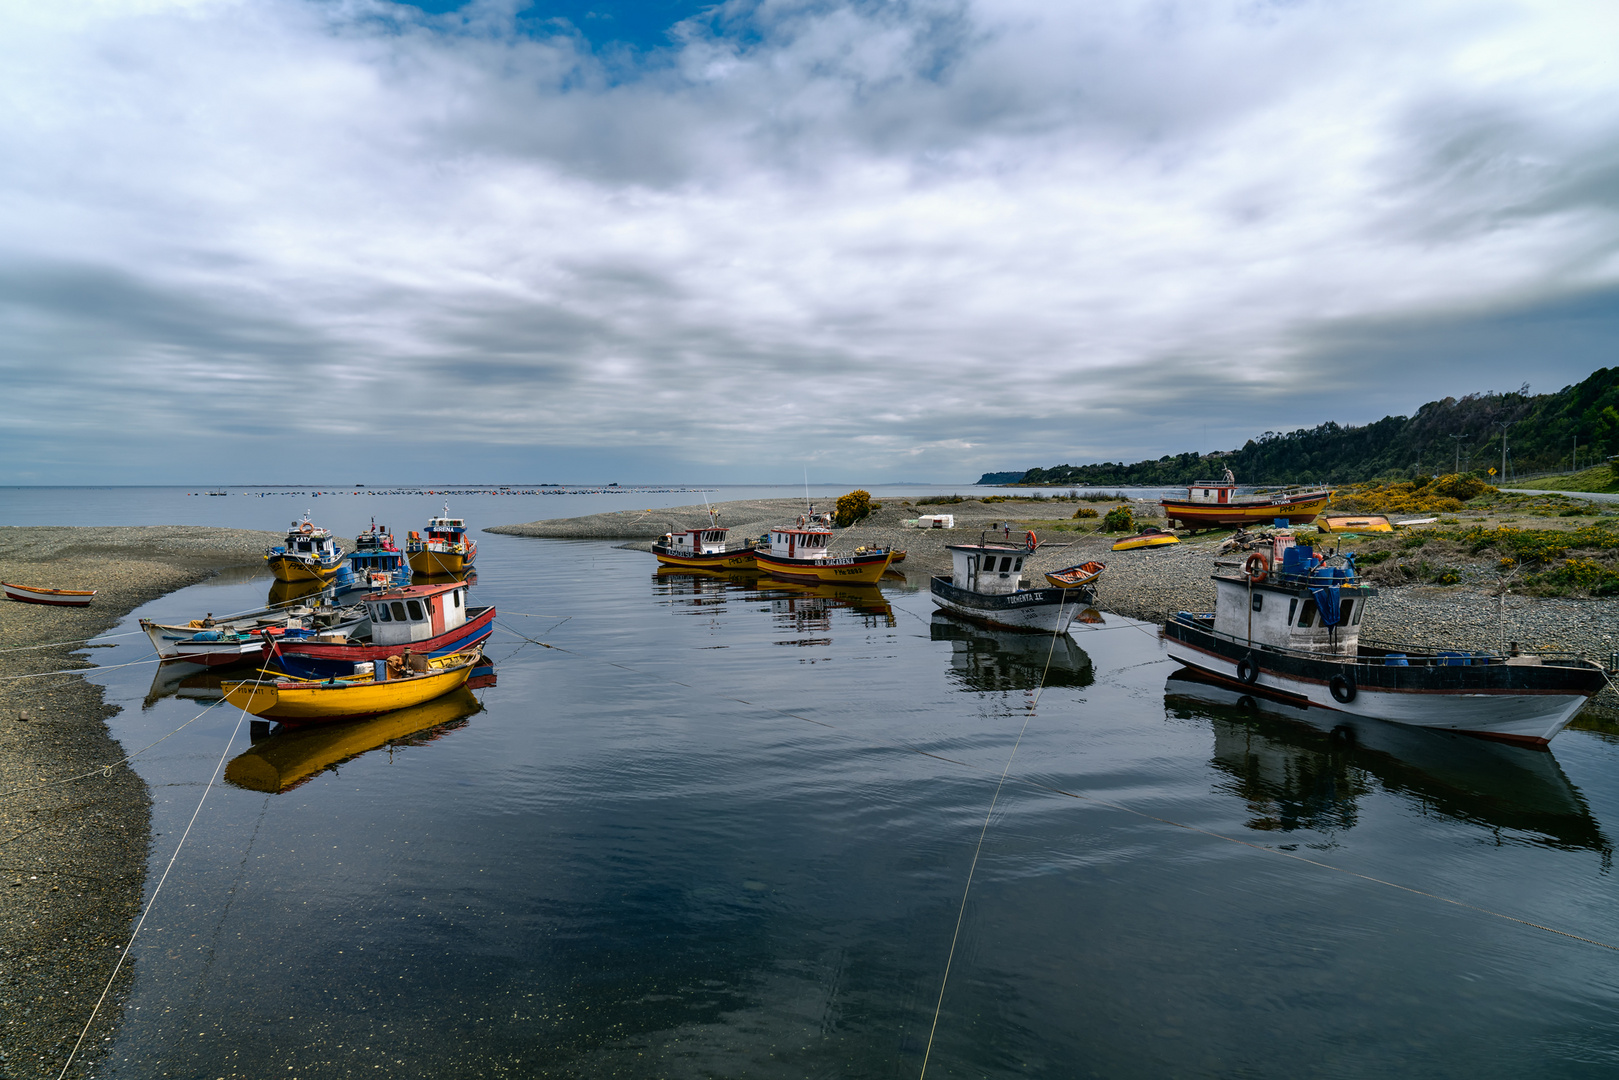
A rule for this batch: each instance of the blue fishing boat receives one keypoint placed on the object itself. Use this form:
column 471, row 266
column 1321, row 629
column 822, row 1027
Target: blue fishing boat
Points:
column 375, row 563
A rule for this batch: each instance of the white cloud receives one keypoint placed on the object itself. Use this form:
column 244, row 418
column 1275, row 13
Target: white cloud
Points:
column 983, row 235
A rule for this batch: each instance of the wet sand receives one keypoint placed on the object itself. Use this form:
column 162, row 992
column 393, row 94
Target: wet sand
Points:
column 73, row 855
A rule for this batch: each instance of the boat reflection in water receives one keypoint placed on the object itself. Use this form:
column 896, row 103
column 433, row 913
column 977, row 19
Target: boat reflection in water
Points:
column 282, row 761
column 176, row 678
column 987, row 660
column 806, row 606
column 288, row 592
column 1308, row 768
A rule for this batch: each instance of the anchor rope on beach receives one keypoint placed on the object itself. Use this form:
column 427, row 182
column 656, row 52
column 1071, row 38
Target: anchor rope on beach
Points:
column 75, row 641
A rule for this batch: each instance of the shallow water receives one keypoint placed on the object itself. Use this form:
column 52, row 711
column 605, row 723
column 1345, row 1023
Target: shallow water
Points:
column 724, row 828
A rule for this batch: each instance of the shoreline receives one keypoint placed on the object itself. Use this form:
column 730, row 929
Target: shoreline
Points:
column 1148, row 584
column 74, row 855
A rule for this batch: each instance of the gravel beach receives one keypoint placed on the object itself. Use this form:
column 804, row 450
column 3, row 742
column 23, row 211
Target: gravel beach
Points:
column 1148, row 584
column 73, row 855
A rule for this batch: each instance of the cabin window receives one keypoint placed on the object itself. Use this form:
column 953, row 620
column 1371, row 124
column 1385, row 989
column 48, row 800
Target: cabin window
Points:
column 380, row 613
column 415, row 610
column 1292, row 610
column 1018, row 565
column 399, row 611
column 1308, row 616
column 1006, row 564
column 457, row 595
column 1356, row 620
column 1345, row 609
column 1259, row 601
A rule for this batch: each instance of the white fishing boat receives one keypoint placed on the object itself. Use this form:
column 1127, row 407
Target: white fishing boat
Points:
column 986, row 585
column 1288, row 624
column 34, row 594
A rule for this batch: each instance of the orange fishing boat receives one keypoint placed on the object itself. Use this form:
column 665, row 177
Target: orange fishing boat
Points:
column 1210, row 504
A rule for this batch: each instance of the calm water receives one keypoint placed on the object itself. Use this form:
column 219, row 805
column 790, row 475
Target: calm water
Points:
column 723, row 829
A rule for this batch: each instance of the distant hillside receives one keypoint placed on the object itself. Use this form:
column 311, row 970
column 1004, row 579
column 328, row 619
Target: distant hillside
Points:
column 1540, row 432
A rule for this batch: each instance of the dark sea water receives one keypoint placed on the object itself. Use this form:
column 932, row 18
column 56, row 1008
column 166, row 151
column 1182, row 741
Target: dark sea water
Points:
column 724, row 828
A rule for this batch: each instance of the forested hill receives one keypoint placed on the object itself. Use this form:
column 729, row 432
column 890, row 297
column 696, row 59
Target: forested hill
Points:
column 1540, row 431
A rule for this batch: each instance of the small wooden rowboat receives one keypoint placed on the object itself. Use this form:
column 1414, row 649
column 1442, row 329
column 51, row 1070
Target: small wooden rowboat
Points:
column 1074, row 576
column 1345, row 523
column 284, row 697
column 31, row 594
column 1145, row 539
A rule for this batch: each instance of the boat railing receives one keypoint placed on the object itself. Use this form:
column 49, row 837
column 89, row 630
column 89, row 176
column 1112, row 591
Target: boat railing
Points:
column 1377, row 653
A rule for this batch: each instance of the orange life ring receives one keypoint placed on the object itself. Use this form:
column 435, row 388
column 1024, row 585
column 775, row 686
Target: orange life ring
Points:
column 1029, row 540
column 306, row 528
column 1256, row 567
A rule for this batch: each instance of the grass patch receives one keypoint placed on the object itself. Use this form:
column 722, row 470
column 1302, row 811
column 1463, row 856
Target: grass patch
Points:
column 1598, row 479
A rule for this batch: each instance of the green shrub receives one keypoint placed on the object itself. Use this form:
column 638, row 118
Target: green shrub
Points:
column 1372, row 558
column 852, row 507
column 1083, row 512
column 1119, row 519
column 1461, row 486
column 1585, row 575
column 940, row 500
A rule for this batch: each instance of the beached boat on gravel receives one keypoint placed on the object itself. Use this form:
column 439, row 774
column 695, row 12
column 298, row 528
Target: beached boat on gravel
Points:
column 275, row 696
column 1073, row 577
column 1288, row 624
column 703, row 549
column 1355, row 523
column 309, row 555
column 986, row 585
column 429, row 620
column 446, row 549
column 1212, row 504
column 35, row 594
column 800, row 553
column 1146, row 538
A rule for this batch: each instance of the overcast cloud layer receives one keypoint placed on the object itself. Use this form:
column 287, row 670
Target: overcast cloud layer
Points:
column 882, row 241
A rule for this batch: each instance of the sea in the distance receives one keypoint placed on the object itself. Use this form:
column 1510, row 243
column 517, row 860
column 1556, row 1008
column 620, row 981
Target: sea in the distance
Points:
column 716, row 828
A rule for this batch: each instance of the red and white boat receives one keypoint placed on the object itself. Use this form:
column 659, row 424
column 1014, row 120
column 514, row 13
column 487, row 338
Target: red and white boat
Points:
column 428, row 620
column 32, row 594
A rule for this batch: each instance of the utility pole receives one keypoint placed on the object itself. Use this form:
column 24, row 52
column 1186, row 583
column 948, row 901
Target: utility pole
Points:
column 1458, row 439
column 1574, row 454
column 1503, row 425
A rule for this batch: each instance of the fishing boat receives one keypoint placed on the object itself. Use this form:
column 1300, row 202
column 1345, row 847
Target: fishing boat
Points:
column 34, row 594
column 375, row 562
column 445, row 549
column 223, row 645
column 1355, row 523
column 165, row 636
column 309, row 555
column 428, row 620
column 291, row 756
column 1073, row 577
column 702, row 549
column 986, row 585
column 1211, row 504
column 1147, row 538
column 1288, row 623
column 382, row 689
column 800, row 553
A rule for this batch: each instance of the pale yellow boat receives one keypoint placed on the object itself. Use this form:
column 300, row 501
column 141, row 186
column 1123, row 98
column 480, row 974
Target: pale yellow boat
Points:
column 288, row 758
column 1355, row 523
column 284, row 697
column 1147, row 539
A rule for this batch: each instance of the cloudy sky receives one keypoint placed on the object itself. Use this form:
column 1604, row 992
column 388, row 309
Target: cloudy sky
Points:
column 251, row 240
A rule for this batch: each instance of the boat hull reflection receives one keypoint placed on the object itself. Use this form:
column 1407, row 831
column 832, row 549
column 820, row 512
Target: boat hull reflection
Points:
column 1303, row 767
column 294, row 755
column 288, row 592
column 989, row 660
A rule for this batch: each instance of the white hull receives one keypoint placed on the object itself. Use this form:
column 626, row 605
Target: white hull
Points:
column 1521, row 717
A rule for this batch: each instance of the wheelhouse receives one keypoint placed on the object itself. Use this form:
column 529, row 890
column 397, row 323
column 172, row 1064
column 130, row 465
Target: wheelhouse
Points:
column 987, row 568
column 788, row 543
column 416, row 613
column 696, row 541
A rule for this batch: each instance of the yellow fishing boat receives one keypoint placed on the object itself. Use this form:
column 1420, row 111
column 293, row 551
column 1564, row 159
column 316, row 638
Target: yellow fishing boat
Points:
column 310, row 555
column 1145, row 539
column 800, row 554
column 1213, row 504
column 276, row 696
column 288, row 758
column 702, row 549
column 1359, row 523
column 445, row 550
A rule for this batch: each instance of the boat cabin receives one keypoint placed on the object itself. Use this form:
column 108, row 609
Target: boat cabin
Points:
column 707, row 541
column 311, row 542
column 987, row 568
column 1217, row 492
column 1299, row 605
column 416, row 612
column 804, row 543
column 376, row 538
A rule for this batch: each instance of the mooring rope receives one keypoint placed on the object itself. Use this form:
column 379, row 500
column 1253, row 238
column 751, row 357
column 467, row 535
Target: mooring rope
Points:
column 961, row 914
column 82, row 670
column 75, row 641
column 150, row 903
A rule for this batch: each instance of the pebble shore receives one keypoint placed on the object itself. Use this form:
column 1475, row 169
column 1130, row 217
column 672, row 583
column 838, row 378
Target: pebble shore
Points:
column 73, row 855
